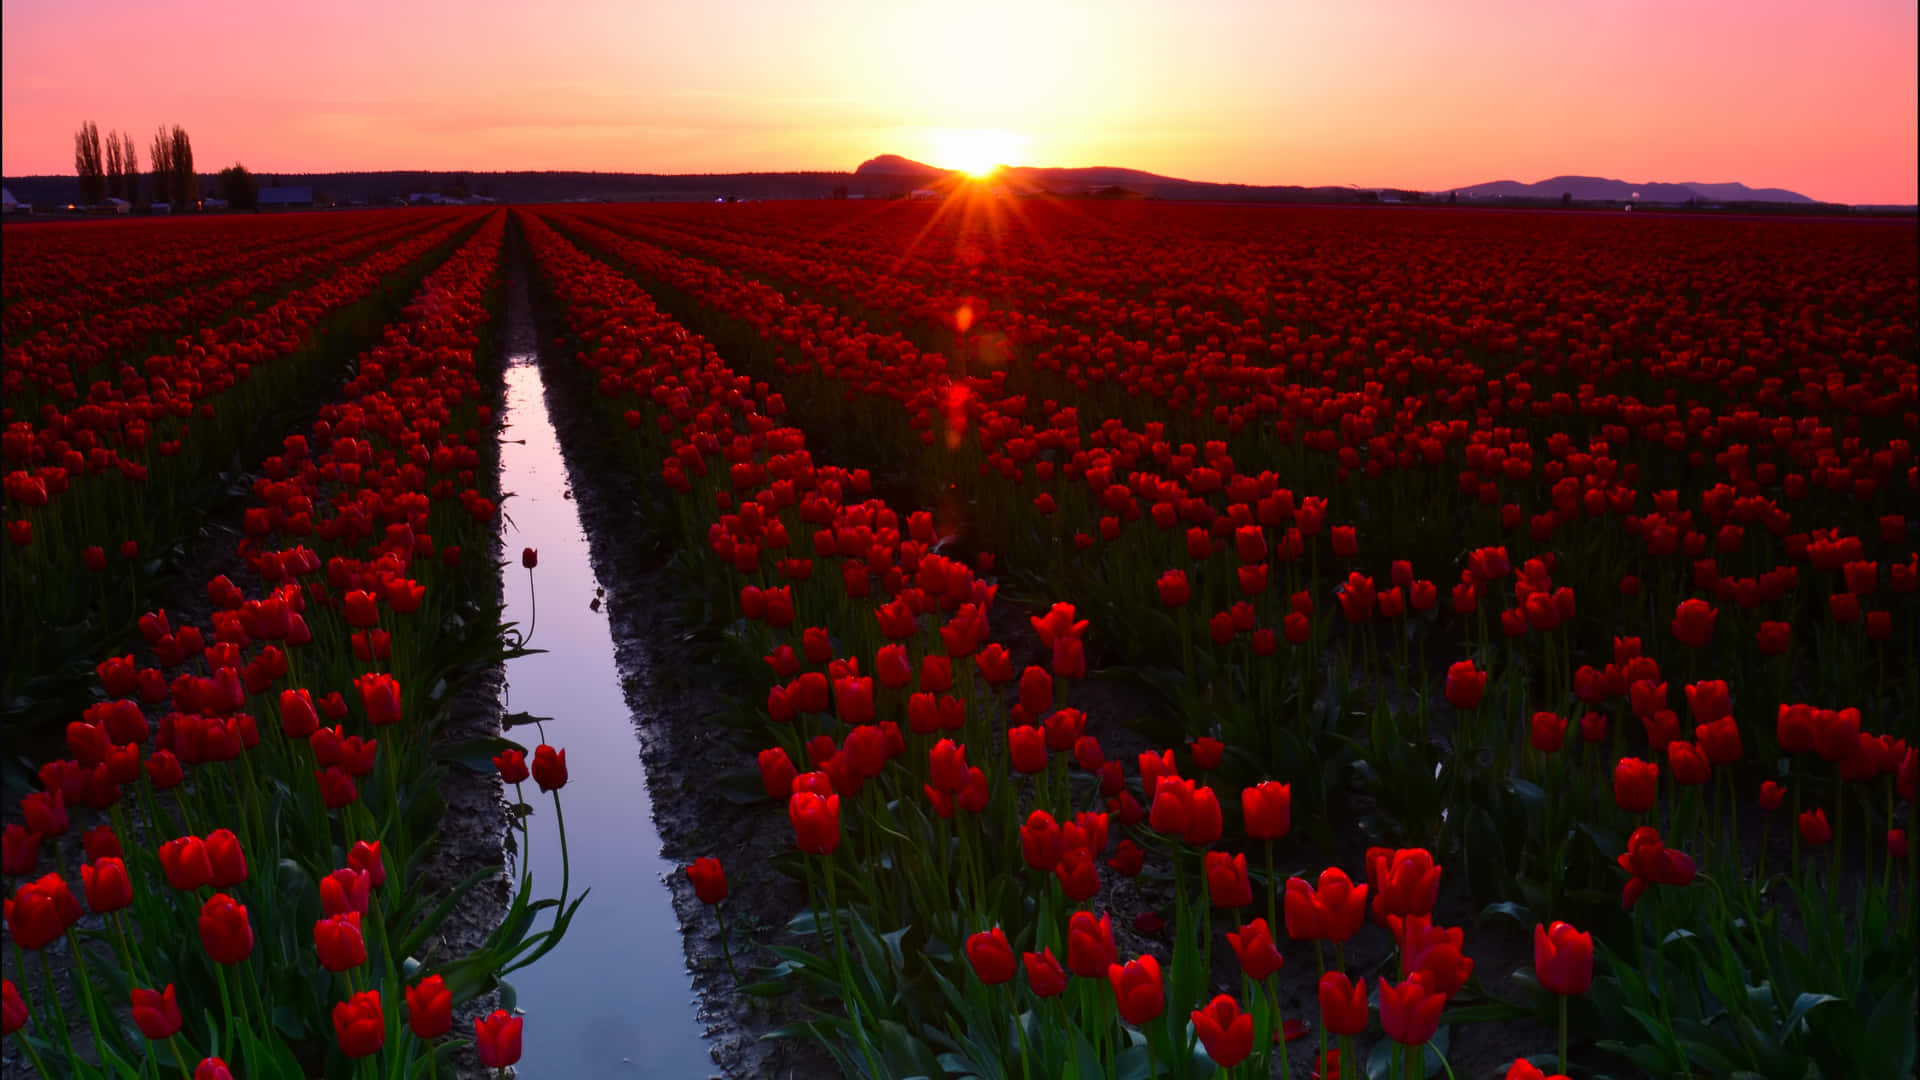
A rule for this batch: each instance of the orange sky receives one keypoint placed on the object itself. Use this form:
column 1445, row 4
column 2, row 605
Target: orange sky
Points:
column 1816, row 98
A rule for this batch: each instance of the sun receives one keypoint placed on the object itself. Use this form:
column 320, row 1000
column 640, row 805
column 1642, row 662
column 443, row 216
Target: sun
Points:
column 975, row 151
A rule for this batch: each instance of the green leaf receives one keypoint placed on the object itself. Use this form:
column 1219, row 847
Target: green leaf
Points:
column 1803, row 1005
column 478, row 754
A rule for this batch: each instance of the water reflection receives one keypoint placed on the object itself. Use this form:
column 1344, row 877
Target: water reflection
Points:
column 614, row 999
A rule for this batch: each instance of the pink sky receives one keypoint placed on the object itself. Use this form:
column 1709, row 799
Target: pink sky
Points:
column 1816, row 98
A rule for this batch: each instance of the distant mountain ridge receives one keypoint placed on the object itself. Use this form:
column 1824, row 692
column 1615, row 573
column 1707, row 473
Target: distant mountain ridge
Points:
column 1601, row 189
column 1153, row 185
column 1099, row 180
column 893, row 176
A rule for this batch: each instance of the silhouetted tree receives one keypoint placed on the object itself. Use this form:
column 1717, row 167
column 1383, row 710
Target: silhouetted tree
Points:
column 113, row 166
column 185, row 182
column 162, row 161
column 87, row 163
column 1452, row 197
column 129, row 168
column 1566, row 198
column 238, row 187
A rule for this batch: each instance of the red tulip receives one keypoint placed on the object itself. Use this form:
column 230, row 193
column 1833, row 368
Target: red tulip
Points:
column 1174, row 590
column 106, row 884
column 1693, row 622
column 380, row 696
column 1207, row 752
column 1137, row 990
column 1720, row 740
column 224, row 930
column 1410, row 1011
column 1773, row 638
column 1267, row 809
column 1224, row 1030
column 1404, row 882
column 1090, row 948
column 13, row 1008
column 1434, row 952
column 1549, row 732
column 1466, row 685
column 1044, row 974
column 497, row 1038
column 1227, row 882
column 1636, row 784
column 549, row 767
column 1040, row 841
column 1332, row 912
column 1079, row 877
column 1771, row 795
column 430, row 1008
column 1522, row 1069
column 1027, row 749
column 46, row 811
column 185, row 862
column 512, row 765
column 1836, row 733
column 20, row 847
column 991, row 957
column 1814, row 828
column 337, row 788
column 228, row 862
column 709, row 879
column 156, row 1013
column 1688, row 762
column 816, row 822
column 360, row 1026
column 337, row 939
column 41, row 911
column 1563, row 959
column 1253, row 944
column 1343, row 1003
column 529, row 557
column 212, row 1068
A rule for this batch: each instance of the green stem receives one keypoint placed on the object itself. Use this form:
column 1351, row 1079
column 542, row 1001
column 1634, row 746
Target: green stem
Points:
column 1563, row 1034
column 1020, row 1032
column 86, row 994
column 846, row 973
column 59, row 1010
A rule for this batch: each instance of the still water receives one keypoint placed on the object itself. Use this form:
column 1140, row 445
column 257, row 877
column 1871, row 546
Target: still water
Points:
column 614, row 999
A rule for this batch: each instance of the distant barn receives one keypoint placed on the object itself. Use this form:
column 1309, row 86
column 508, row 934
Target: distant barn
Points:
column 286, row 198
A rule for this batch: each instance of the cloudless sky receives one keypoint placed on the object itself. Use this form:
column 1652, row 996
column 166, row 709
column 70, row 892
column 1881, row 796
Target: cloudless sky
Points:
column 1819, row 98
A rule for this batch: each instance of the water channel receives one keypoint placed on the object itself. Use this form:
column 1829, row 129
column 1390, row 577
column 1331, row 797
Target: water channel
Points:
column 614, row 999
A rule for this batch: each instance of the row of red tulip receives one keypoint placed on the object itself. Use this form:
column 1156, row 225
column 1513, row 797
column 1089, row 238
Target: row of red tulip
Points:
column 188, row 290
column 645, row 362
column 386, row 489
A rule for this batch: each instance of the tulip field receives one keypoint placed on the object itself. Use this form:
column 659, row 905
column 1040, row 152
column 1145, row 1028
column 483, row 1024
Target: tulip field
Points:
column 1164, row 640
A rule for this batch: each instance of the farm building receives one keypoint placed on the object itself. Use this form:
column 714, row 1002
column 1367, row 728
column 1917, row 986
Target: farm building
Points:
column 11, row 205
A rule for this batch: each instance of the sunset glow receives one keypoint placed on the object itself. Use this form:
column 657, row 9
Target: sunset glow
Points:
column 1378, row 92
column 975, row 152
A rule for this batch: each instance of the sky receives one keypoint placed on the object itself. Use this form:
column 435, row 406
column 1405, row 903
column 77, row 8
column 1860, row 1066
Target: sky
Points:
column 1773, row 93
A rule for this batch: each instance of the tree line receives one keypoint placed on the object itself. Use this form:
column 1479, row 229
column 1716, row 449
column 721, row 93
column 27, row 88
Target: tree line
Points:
column 109, row 168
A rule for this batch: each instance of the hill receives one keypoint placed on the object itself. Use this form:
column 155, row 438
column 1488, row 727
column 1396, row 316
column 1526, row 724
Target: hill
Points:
column 1600, row 189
